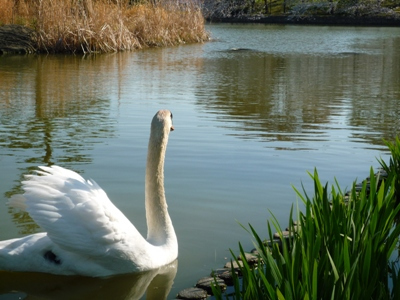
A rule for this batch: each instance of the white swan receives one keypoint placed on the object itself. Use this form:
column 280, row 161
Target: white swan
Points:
column 85, row 233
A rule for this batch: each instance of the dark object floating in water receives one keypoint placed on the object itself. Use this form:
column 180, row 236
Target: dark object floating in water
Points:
column 349, row 53
column 241, row 49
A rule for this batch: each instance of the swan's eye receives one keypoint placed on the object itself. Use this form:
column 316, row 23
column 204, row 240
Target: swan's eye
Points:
column 171, row 116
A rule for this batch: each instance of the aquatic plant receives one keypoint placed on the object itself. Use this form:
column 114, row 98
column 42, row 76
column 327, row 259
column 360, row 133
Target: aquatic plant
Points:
column 340, row 247
column 394, row 165
column 106, row 26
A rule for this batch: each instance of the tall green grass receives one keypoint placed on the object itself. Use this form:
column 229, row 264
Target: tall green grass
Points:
column 394, row 165
column 340, row 247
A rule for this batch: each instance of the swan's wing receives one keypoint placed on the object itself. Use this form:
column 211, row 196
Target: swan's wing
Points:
column 76, row 213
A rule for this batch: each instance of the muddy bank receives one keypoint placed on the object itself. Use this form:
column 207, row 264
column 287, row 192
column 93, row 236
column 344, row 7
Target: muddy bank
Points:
column 17, row 39
column 312, row 20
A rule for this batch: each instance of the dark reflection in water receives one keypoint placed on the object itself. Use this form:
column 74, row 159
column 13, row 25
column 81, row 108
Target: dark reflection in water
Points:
column 300, row 98
column 156, row 284
column 48, row 116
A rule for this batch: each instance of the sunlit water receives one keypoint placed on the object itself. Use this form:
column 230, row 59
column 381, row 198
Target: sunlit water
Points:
column 254, row 110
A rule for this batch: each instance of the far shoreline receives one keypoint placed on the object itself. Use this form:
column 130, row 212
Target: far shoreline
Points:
column 333, row 20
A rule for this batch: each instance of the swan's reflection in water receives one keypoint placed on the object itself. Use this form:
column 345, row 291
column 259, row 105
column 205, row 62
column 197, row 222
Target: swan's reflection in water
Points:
column 155, row 283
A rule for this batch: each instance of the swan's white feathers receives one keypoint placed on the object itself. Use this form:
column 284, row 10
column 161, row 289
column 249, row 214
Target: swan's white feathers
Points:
column 59, row 198
column 85, row 233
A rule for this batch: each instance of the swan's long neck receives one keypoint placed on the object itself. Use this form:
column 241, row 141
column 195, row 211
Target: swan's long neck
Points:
column 159, row 225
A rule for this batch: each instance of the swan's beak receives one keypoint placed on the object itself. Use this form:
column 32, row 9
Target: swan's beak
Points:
column 172, row 128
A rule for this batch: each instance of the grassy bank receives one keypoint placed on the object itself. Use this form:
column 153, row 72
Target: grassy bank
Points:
column 105, row 25
column 340, row 248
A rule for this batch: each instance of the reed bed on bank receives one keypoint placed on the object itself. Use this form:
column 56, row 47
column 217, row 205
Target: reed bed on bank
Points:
column 104, row 25
column 340, row 248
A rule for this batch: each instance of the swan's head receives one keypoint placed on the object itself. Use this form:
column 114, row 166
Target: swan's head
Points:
column 162, row 122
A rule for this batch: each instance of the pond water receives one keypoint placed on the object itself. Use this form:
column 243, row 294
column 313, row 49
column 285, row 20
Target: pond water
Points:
column 254, row 110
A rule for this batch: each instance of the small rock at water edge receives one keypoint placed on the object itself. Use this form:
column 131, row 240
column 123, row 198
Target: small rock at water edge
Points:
column 233, row 264
column 206, row 282
column 192, row 293
column 225, row 275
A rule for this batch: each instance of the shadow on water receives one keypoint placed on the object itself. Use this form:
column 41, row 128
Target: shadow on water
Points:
column 156, row 284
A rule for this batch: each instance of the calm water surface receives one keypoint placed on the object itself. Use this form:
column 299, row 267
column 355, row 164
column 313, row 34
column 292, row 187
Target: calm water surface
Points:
column 254, row 110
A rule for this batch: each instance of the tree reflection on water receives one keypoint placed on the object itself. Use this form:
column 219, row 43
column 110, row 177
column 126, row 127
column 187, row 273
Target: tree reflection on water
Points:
column 49, row 117
column 301, row 97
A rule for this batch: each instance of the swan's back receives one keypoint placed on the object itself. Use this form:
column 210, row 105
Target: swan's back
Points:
column 85, row 233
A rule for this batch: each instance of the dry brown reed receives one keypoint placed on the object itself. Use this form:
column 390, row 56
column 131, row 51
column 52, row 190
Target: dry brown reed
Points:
column 104, row 25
